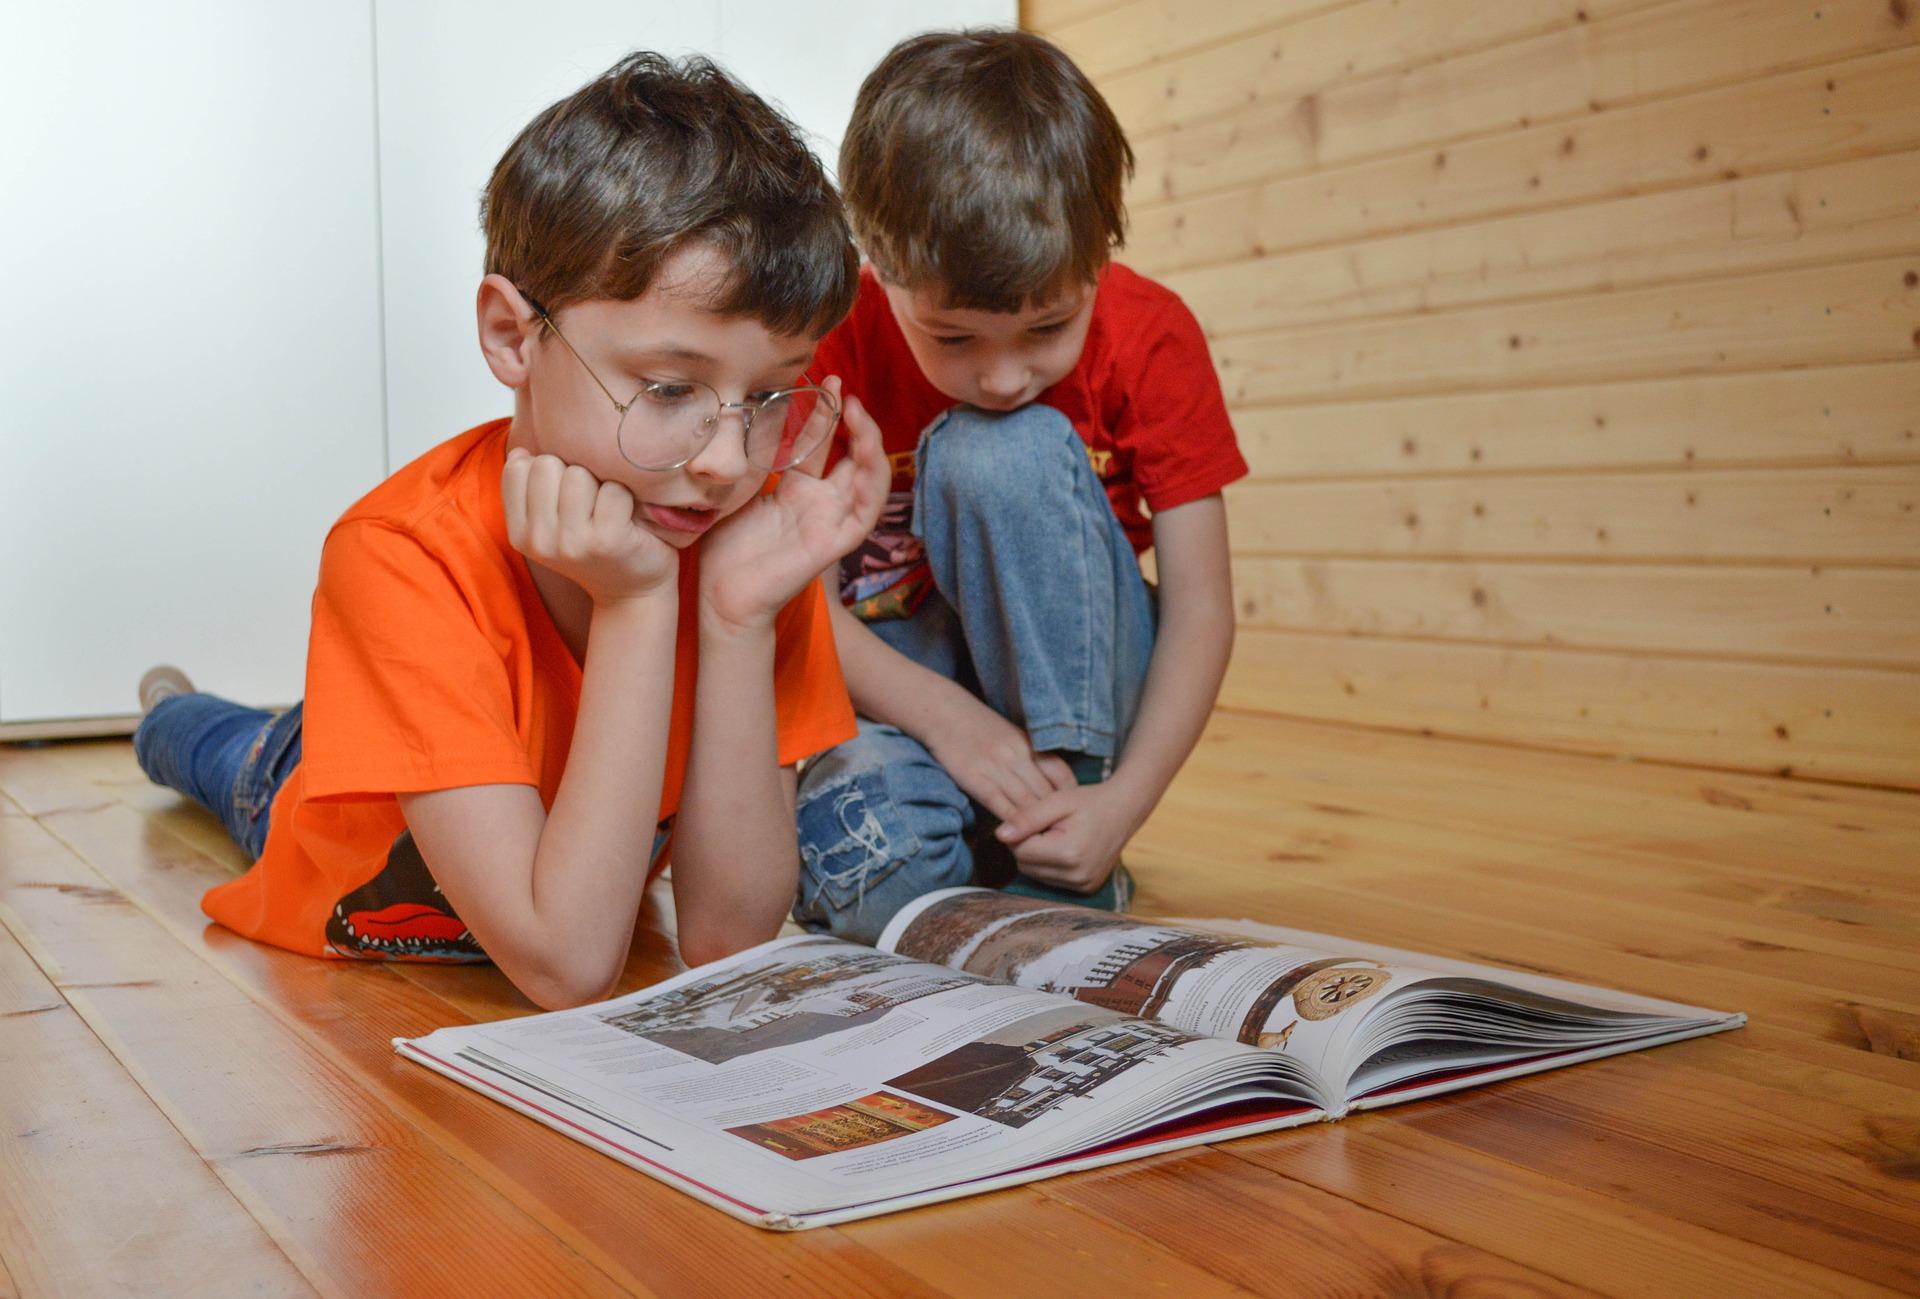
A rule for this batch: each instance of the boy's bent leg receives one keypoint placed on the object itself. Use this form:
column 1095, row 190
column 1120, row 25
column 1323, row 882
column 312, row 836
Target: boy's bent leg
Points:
column 1024, row 544
column 212, row 750
column 880, row 824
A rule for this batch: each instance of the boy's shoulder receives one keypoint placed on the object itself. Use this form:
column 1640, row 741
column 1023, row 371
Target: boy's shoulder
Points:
column 1136, row 303
column 456, row 474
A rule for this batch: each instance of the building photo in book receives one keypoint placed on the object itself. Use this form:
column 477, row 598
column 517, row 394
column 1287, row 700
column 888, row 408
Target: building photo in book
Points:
column 830, row 988
column 1034, row 1066
column 867, row 1121
column 1135, row 966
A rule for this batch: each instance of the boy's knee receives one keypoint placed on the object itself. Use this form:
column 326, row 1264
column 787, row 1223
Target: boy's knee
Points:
column 879, row 824
column 984, row 458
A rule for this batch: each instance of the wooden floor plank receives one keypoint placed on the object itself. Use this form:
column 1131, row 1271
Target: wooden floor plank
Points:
column 333, row 1174
column 99, row 1194
column 354, row 1011
column 1277, row 1236
column 1590, row 1235
column 1773, row 1160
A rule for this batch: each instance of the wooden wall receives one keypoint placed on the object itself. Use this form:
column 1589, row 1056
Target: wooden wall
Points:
column 1575, row 345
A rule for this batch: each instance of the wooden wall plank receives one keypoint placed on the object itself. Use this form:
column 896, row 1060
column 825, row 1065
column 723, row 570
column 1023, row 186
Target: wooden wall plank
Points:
column 1045, row 15
column 1805, row 418
column 1847, row 211
column 1825, row 315
column 1350, row 43
column 1794, row 120
column 1573, row 73
column 1811, row 615
column 101, row 1195
column 1146, row 31
column 1847, row 725
column 1837, row 516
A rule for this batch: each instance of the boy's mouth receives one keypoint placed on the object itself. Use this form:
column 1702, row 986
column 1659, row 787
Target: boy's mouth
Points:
column 679, row 518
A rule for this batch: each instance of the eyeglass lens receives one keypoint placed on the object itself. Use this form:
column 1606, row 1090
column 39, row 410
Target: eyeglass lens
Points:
column 667, row 424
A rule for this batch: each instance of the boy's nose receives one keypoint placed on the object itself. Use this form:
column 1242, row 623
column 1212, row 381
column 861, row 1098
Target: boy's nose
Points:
column 724, row 457
column 1003, row 383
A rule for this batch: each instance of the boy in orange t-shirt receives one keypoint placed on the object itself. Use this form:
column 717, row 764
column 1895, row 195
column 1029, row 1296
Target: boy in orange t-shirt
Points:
column 553, row 636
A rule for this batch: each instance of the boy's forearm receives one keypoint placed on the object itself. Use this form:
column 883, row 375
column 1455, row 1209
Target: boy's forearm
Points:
column 1189, row 661
column 590, row 866
column 885, row 684
column 736, row 858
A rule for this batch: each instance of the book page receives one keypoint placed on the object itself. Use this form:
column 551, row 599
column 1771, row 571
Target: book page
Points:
column 809, row 1074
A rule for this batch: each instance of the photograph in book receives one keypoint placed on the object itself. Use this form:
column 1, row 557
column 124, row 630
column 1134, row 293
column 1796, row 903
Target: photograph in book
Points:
column 1135, row 967
column 1035, row 1065
column 815, row 989
column 853, row 1126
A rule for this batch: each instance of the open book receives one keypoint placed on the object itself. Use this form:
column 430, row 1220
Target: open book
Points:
column 989, row 1040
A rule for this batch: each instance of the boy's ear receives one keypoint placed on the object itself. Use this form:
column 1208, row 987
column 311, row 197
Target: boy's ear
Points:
column 508, row 326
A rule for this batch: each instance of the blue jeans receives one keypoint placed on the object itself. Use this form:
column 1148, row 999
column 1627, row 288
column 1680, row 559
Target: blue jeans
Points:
column 227, row 757
column 1038, row 608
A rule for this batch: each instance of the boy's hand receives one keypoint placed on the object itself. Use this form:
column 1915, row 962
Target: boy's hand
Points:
column 993, row 760
column 755, row 561
column 562, row 517
column 1072, row 838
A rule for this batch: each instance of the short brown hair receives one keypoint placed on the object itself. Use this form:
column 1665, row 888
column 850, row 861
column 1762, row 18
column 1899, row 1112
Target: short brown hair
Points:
column 986, row 163
column 602, row 187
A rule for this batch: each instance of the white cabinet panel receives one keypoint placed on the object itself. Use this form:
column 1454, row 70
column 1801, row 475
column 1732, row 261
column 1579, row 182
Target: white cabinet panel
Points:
column 459, row 80
column 191, row 384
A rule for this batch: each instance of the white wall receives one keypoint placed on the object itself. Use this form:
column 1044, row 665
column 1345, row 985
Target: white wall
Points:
column 242, row 245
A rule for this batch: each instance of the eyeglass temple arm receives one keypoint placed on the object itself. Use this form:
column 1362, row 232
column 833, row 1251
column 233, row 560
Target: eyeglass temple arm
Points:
column 547, row 320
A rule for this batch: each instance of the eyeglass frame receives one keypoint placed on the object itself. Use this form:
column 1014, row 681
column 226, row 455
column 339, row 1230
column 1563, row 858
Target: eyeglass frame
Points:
column 747, row 409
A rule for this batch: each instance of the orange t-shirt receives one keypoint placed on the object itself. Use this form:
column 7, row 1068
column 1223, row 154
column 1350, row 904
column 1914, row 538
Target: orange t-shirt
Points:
column 433, row 664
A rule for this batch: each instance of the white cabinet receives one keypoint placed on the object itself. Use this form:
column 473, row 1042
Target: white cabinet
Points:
column 240, row 256
column 190, row 385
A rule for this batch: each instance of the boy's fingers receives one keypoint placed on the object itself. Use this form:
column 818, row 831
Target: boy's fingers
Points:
column 1035, row 818
column 1057, row 772
column 578, row 491
column 513, row 494
column 612, row 509
column 823, row 413
column 543, row 501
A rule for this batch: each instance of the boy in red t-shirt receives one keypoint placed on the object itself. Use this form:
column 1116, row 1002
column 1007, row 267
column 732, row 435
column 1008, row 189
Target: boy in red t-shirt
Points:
column 543, row 641
column 1048, row 416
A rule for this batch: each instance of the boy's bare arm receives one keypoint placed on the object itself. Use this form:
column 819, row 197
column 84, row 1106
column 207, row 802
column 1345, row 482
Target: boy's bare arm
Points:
column 987, row 755
column 552, row 896
column 1073, row 838
column 736, row 857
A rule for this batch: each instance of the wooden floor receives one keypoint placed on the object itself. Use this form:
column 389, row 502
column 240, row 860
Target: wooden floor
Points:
column 182, row 1112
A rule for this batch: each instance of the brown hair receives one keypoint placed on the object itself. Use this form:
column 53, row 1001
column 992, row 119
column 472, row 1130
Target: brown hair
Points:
column 601, row 188
column 986, row 163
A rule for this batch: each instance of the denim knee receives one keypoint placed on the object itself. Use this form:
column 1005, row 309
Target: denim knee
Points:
column 1010, row 463
column 880, row 823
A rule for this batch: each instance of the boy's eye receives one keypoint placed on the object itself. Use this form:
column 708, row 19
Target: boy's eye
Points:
column 670, row 394
column 953, row 340
column 1054, row 328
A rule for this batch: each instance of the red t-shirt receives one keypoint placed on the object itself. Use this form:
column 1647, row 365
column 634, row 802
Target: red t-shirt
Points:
column 1144, row 397
column 433, row 664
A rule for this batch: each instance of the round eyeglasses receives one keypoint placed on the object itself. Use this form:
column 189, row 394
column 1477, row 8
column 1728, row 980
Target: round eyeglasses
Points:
column 669, row 421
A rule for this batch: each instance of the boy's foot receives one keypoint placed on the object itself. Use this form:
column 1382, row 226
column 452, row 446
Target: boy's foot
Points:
column 1115, row 895
column 161, row 683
